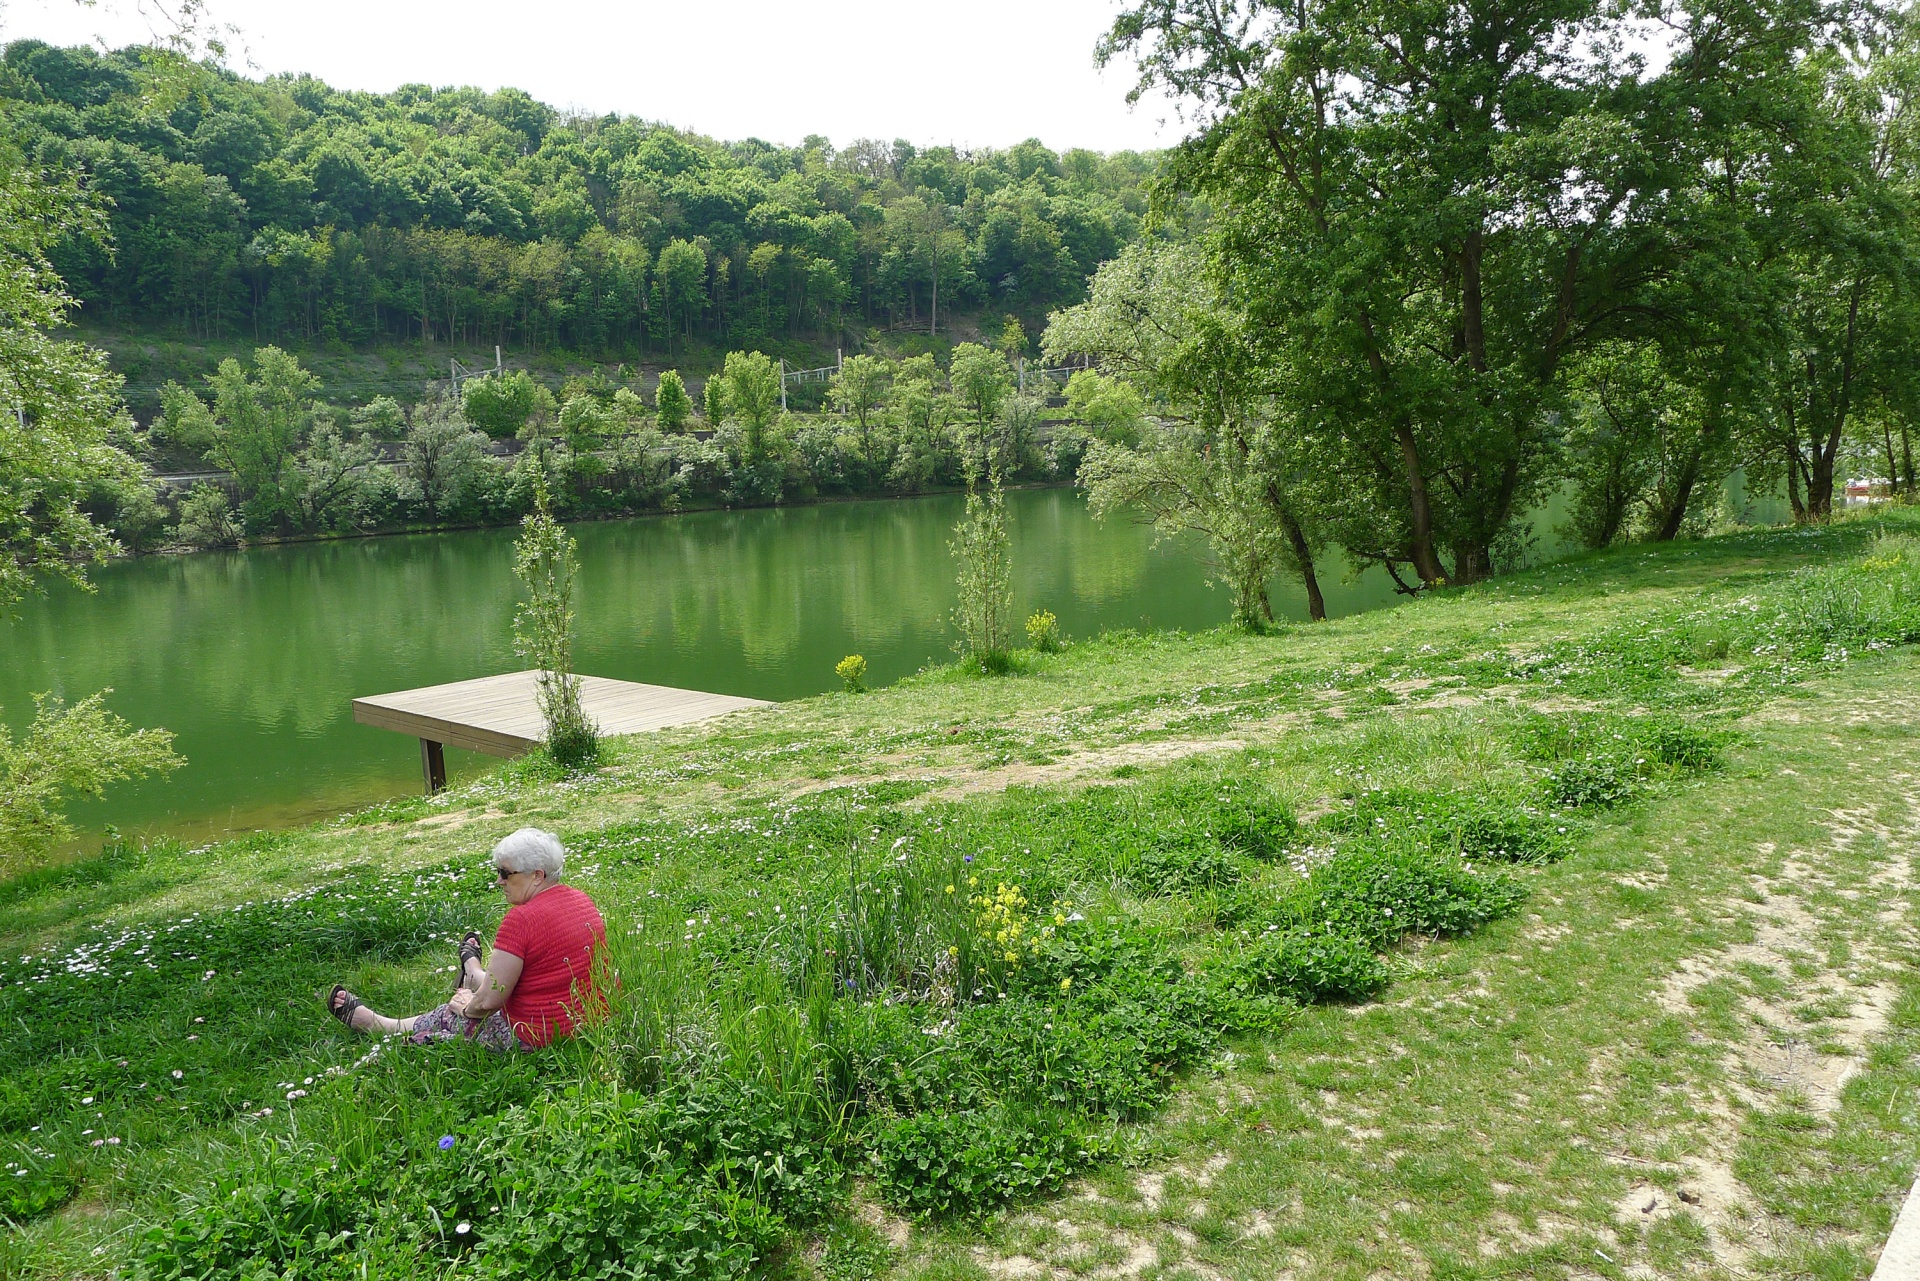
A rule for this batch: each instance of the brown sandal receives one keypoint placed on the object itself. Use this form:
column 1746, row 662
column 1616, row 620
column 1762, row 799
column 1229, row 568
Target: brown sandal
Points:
column 471, row 949
column 343, row 1010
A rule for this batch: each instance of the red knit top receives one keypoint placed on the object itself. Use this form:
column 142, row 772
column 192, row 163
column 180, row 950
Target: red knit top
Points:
column 554, row 933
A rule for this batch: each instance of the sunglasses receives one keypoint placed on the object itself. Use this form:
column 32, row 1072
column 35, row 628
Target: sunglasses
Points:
column 503, row 873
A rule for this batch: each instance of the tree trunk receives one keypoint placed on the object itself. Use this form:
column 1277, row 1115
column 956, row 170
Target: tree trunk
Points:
column 1826, row 453
column 1420, row 510
column 1473, row 562
column 1676, row 514
column 1794, row 501
column 1419, row 507
column 1303, row 557
column 1820, row 486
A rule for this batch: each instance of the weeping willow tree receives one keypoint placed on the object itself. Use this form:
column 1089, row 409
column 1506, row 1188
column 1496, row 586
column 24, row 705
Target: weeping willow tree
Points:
column 1215, row 459
column 545, row 561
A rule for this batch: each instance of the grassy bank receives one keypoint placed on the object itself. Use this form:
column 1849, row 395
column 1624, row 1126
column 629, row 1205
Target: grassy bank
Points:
column 1558, row 927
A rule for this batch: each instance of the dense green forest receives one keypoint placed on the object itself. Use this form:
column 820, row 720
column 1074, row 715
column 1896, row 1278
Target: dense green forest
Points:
column 285, row 211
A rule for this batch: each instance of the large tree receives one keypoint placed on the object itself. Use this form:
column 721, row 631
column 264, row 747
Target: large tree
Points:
column 254, row 429
column 981, row 383
column 1834, row 233
column 63, row 431
column 860, row 390
column 1424, row 209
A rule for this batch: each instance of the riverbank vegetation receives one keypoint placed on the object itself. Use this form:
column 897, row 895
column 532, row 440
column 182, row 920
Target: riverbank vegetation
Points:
column 291, row 465
column 1248, row 940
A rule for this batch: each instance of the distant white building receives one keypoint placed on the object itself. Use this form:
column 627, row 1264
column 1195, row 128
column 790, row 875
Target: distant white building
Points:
column 1870, row 489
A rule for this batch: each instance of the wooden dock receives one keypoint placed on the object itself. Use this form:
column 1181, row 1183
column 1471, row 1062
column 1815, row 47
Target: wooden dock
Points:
column 500, row 715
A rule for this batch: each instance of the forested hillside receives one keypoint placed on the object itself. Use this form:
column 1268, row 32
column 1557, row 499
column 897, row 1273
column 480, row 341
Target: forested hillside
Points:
column 286, row 211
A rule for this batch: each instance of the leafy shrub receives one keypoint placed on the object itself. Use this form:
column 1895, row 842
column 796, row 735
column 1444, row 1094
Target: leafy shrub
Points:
column 853, row 670
column 1481, row 827
column 1683, row 746
column 1506, row 836
column 960, row 1163
column 1112, row 1050
column 281, row 1214
column 746, row 1137
column 1599, row 761
column 1596, row 783
column 557, row 1192
column 1305, row 967
column 206, row 518
column 67, row 751
column 900, row 1068
column 1377, row 892
column 590, row 1210
column 1094, row 951
column 1181, row 869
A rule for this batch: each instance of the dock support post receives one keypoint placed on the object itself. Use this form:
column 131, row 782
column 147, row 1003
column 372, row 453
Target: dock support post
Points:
column 433, row 764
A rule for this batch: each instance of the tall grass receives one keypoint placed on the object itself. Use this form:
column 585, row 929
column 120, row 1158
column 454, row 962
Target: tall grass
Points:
column 1873, row 600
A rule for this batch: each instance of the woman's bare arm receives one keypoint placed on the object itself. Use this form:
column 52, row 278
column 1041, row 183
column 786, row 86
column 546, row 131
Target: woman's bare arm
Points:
column 503, row 972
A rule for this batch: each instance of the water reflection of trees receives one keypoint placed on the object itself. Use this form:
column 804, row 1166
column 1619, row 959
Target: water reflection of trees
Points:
column 252, row 657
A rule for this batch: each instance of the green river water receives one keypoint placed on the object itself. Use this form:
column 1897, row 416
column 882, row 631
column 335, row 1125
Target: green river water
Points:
column 252, row 657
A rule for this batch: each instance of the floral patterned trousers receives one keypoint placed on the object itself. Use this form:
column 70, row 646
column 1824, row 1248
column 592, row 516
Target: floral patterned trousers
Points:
column 442, row 1024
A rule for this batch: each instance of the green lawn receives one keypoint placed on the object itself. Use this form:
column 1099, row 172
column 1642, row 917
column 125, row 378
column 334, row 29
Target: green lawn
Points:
column 1558, row 927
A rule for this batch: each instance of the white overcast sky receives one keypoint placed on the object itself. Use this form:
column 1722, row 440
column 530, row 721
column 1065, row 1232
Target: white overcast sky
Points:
column 986, row 73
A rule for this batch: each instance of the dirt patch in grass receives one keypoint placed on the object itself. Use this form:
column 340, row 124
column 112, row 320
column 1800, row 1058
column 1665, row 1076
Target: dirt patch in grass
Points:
column 1071, row 1249
column 1800, row 1034
column 1707, row 1192
column 891, row 1228
column 457, row 819
column 1079, row 765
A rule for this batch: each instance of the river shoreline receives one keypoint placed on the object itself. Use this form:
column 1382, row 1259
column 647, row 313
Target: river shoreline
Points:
column 252, row 657
column 592, row 518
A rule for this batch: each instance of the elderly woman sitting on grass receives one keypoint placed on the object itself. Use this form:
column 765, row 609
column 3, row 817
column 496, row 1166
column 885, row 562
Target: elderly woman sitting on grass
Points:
column 541, row 971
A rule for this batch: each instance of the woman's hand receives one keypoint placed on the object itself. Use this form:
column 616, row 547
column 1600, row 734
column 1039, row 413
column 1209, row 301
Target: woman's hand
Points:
column 503, row 973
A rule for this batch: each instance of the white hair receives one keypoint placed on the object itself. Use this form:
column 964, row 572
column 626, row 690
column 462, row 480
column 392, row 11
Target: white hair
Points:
column 531, row 850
